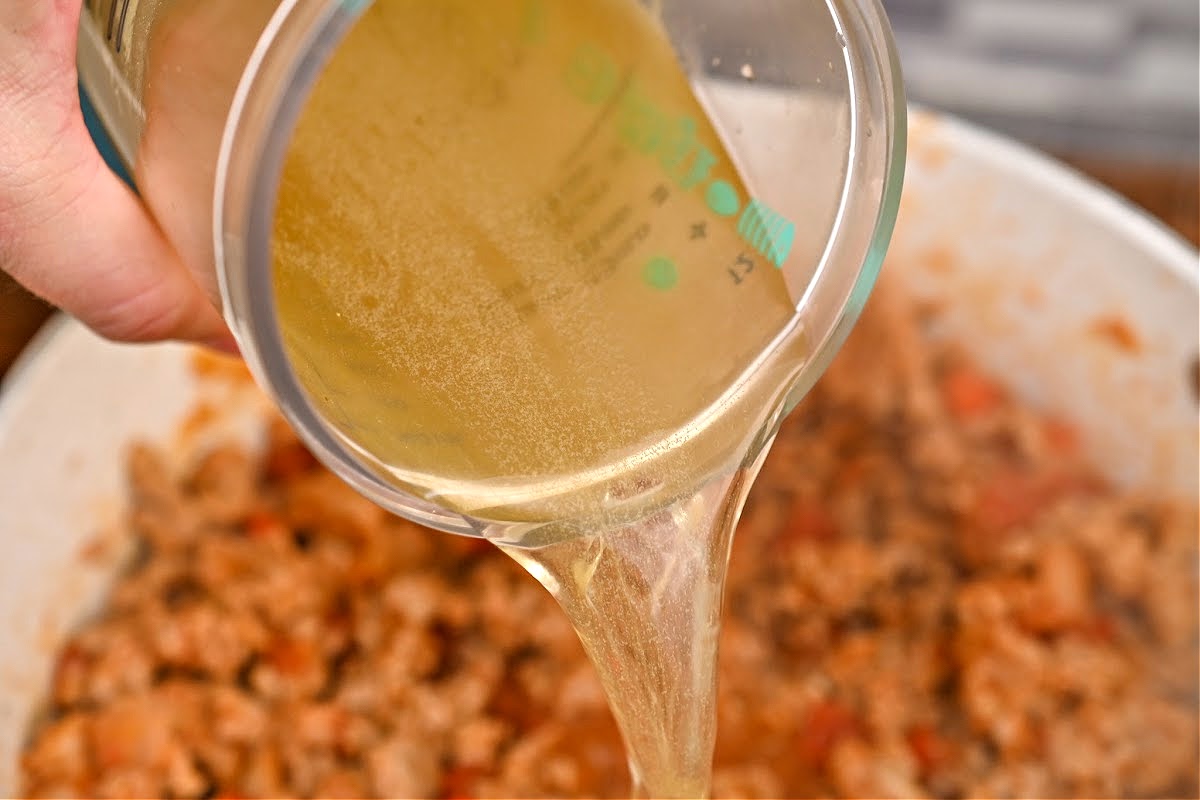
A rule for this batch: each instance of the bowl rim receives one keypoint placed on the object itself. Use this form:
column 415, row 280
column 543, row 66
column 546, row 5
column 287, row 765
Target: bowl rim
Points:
column 1116, row 211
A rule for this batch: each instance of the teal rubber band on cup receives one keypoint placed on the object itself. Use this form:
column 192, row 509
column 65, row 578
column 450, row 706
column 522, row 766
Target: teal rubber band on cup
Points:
column 100, row 137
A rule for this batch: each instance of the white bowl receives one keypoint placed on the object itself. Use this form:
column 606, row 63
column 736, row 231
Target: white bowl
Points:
column 1081, row 302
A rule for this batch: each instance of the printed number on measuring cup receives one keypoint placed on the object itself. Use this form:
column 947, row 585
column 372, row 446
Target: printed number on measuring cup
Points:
column 741, row 268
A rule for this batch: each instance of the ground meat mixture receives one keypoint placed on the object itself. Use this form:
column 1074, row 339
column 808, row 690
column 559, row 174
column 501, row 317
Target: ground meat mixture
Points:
column 929, row 597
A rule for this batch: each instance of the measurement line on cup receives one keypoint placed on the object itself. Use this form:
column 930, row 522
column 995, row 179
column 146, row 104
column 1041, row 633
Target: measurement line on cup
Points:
column 112, row 16
column 121, row 25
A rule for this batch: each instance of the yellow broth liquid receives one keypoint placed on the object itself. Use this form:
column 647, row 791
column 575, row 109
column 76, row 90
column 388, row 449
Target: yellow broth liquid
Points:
column 516, row 269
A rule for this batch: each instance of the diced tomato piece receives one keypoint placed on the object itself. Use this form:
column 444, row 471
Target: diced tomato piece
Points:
column 931, row 750
column 459, row 783
column 1101, row 628
column 1060, row 437
column 72, row 658
column 264, row 525
column 1012, row 498
column 1008, row 499
column 968, row 394
column 851, row 474
column 1066, row 484
column 468, row 546
column 289, row 459
column 826, row 723
column 291, row 656
column 809, row 521
column 1008, row 502
column 70, row 675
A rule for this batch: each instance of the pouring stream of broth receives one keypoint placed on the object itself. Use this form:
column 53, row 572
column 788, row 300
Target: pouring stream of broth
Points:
column 517, row 269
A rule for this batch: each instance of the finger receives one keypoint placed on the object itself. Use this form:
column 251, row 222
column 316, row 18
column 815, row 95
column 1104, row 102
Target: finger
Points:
column 71, row 231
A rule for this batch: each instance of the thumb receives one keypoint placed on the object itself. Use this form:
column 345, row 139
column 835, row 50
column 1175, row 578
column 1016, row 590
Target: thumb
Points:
column 73, row 233
column 70, row 230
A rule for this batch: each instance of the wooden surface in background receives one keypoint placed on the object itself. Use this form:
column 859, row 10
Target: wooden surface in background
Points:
column 21, row 315
column 1172, row 194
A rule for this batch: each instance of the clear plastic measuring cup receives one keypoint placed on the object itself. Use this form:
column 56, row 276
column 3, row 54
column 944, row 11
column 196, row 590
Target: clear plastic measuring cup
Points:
column 779, row 164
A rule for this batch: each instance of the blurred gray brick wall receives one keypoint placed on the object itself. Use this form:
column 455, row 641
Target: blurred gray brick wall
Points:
column 1109, row 77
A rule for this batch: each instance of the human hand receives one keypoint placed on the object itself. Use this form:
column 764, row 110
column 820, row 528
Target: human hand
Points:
column 70, row 230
